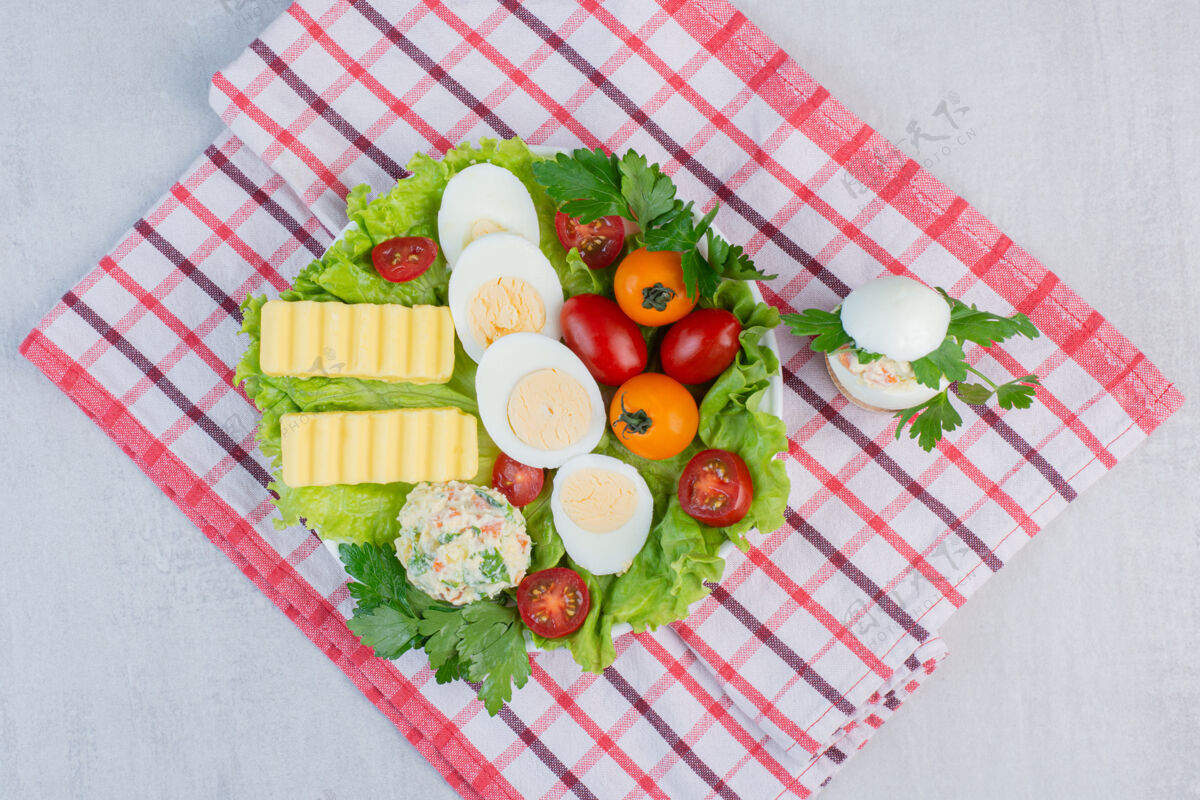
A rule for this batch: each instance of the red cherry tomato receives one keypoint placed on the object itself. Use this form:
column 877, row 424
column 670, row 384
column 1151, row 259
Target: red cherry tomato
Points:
column 403, row 258
column 701, row 346
column 553, row 602
column 607, row 341
column 520, row 483
column 715, row 488
column 599, row 242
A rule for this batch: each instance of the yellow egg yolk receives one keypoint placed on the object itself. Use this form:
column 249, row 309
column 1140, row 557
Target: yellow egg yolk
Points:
column 481, row 227
column 502, row 306
column 599, row 500
column 549, row 410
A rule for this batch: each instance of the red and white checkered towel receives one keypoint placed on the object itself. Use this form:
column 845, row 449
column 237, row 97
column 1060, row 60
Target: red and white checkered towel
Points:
column 819, row 633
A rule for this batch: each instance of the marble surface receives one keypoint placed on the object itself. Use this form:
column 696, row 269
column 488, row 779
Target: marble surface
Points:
column 135, row 660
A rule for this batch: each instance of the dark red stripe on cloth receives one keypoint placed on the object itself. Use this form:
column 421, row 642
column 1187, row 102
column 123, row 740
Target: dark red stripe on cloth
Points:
column 835, row 755
column 188, row 268
column 326, row 111
column 856, row 575
column 557, row 768
column 912, row 663
column 168, row 388
column 268, row 203
column 686, row 159
column 877, row 454
column 779, row 648
column 673, row 739
column 422, row 60
column 1028, row 451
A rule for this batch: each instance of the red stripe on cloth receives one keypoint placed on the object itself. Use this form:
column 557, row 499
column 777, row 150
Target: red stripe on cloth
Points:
column 286, row 139
column 311, row 612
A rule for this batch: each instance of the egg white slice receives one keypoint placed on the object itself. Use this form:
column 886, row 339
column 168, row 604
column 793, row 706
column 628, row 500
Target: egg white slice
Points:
column 890, row 399
column 502, row 255
column 502, row 368
column 611, row 551
column 482, row 199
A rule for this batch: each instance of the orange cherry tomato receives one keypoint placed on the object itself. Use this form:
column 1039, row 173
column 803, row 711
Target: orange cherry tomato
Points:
column 649, row 287
column 654, row 416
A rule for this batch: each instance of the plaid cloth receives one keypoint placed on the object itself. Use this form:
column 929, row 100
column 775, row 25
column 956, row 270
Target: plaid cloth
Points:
column 818, row 634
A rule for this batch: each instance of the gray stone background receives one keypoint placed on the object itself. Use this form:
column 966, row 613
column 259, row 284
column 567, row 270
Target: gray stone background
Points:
column 136, row 661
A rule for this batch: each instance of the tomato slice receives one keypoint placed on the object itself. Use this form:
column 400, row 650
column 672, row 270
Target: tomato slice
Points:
column 553, row 602
column 404, row 258
column 715, row 488
column 520, row 483
column 599, row 242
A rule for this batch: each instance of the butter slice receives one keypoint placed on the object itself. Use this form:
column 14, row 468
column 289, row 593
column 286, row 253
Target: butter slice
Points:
column 405, row 444
column 357, row 340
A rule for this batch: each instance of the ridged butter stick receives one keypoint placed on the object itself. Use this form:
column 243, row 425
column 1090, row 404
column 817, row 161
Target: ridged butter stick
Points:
column 357, row 340
column 404, row 444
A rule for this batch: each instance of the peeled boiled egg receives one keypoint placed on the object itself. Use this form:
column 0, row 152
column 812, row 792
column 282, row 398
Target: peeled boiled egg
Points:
column 602, row 509
column 901, row 319
column 896, row 316
column 538, row 401
column 483, row 199
column 502, row 285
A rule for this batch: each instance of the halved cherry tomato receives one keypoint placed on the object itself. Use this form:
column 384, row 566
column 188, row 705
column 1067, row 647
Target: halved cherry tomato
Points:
column 599, row 242
column 520, row 483
column 701, row 346
column 607, row 341
column 649, row 287
column 404, row 258
column 715, row 488
column 654, row 416
column 553, row 602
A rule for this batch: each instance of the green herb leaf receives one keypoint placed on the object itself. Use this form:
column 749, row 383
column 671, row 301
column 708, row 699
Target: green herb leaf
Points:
column 443, row 629
column 379, row 578
column 866, row 356
column 730, row 261
column 679, row 232
column 586, row 184
column 824, row 326
column 385, row 629
column 947, row 360
column 969, row 324
column 930, row 420
column 1018, row 393
column 973, row 393
column 493, row 647
column 648, row 193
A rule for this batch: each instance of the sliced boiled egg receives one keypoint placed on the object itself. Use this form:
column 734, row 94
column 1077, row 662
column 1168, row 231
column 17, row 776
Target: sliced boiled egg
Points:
column 602, row 509
column 503, row 284
column 902, row 320
column 883, row 385
column 538, row 401
column 483, row 199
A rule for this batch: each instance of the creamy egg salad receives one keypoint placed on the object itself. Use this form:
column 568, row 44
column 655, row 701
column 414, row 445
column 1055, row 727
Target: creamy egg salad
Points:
column 460, row 542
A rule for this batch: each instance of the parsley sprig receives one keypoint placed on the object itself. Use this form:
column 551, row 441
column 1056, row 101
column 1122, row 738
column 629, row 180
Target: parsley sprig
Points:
column 930, row 420
column 590, row 184
column 481, row 642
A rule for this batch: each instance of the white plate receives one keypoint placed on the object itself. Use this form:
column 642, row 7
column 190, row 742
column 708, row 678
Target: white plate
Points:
column 773, row 405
